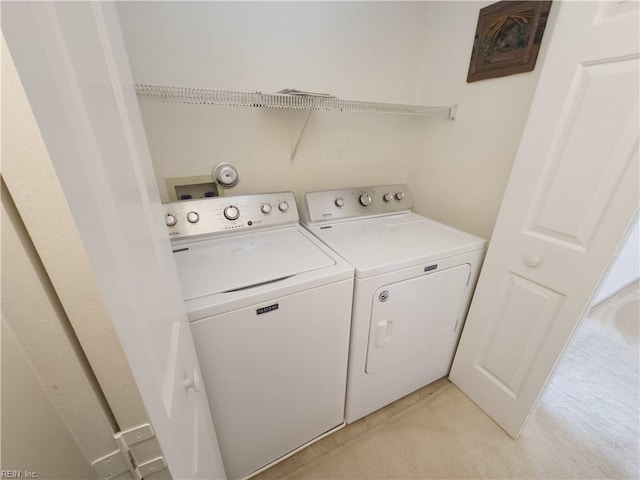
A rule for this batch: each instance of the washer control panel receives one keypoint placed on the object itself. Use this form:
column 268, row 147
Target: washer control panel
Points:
column 226, row 214
column 329, row 205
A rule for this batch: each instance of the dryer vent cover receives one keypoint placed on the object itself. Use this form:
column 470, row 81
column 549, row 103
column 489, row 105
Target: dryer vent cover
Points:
column 226, row 175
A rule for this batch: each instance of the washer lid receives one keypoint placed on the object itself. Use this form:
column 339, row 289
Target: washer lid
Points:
column 381, row 244
column 227, row 264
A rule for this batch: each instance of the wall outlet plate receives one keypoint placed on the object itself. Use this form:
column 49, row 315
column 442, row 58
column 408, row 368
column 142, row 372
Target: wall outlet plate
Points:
column 199, row 186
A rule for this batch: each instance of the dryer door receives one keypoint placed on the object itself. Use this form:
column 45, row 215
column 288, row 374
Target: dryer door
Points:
column 417, row 321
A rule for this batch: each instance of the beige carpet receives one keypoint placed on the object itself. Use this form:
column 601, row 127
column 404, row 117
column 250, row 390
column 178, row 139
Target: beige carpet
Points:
column 587, row 425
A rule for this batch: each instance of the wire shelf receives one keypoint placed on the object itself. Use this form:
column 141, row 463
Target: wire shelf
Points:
column 300, row 101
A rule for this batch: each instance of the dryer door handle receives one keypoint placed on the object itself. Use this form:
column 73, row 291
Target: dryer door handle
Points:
column 384, row 330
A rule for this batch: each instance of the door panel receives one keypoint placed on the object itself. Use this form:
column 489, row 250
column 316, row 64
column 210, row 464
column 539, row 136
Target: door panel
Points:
column 594, row 125
column 572, row 194
column 525, row 312
column 416, row 320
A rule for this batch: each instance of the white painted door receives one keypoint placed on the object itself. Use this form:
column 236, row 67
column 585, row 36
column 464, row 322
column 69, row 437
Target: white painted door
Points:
column 572, row 195
column 78, row 168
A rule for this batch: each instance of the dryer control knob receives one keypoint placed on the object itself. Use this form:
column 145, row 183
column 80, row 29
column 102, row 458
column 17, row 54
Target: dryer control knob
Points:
column 387, row 197
column 400, row 196
column 365, row 200
column 193, row 217
column 283, row 206
column 231, row 212
column 266, row 208
column 170, row 220
column 339, row 202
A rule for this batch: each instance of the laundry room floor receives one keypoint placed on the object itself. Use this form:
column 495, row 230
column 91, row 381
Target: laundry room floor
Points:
column 586, row 426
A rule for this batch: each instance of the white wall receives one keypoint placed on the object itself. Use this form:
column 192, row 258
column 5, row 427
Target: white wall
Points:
column 365, row 50
column 337, row 149
column 464, row 165
column 625, row 268
column 411, row 52
column 352, row 50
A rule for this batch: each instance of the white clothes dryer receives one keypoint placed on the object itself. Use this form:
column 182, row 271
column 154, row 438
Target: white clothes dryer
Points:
column 414, row 279
column 270, row 310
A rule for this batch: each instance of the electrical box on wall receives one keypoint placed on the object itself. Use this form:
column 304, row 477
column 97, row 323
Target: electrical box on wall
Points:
column 187, row 188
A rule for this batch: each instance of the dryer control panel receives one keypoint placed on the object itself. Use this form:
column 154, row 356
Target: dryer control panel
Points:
column 346, row 203
column 188, row 218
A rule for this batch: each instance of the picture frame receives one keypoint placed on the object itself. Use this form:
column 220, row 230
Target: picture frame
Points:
column 507, row 39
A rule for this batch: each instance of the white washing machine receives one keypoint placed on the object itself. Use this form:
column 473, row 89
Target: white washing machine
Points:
column 414, row 279
column 270, row 310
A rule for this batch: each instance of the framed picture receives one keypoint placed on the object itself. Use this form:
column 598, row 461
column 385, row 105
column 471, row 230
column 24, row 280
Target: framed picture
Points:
column 507, row 39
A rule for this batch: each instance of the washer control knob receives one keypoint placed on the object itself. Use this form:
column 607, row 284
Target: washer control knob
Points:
column 231, row 212
column 339, row 202
column 283, row 206
column 170, row 220
column 266, row 208
column 400, row 196
column 365, row 200
column 193, row 217
column 387, row 197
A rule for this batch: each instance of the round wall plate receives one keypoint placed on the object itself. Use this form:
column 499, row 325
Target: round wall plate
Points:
column 226, row 175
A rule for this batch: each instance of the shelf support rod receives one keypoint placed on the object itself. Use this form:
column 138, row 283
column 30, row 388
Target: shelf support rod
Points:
column 304, row 127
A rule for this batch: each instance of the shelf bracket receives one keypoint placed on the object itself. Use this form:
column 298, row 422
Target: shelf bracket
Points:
column 453, row 111
column 304, row 128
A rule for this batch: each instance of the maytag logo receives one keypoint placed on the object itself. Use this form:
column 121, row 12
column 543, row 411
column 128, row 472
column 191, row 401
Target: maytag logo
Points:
column 268, row 309
column 327, row 214
column 173, row 234
column 430, row 267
